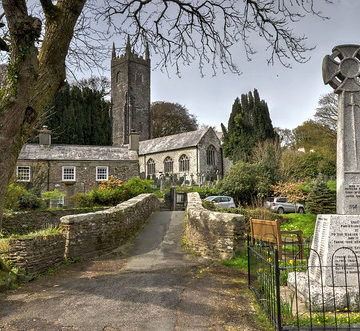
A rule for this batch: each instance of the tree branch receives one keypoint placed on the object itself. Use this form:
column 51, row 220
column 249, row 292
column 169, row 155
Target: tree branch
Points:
column 50, row 10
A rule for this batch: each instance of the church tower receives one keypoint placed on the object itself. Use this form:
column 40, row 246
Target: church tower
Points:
column 130, row 95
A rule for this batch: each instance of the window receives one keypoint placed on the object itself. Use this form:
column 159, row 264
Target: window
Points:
column 210, row 155
column 118, row 75
column 23, row 173
column 102, row 173
column 184, row 163
column 56, row 202
column 68, row 174
column 150, row 167
column 168, row 165
column 139, row 78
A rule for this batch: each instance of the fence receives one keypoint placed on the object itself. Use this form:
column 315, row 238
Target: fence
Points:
column 303, row 294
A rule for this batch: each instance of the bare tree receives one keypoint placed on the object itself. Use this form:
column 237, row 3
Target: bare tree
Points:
column 286, row 137
column 205, row 30
column 180, row 31
column 327, row 112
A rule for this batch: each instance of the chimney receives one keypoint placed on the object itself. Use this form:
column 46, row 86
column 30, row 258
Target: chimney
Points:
column 45, row 136
column 134, row 140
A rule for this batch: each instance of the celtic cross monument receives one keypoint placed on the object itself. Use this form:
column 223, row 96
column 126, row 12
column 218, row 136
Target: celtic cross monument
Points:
column 341, row 70
column 336, row 242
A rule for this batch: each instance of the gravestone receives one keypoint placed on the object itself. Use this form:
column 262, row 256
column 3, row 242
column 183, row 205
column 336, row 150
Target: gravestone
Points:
column 336, row 244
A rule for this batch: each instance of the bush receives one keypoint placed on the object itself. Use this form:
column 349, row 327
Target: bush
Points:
column 136, row 186
column 110, row 197
column 13, row 195
column 30, row 201
column 83, row 200
column 114, row 194
column 54, row 198
column 241, row 182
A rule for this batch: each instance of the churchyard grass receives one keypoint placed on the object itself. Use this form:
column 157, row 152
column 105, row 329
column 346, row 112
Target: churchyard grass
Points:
column 303, row 222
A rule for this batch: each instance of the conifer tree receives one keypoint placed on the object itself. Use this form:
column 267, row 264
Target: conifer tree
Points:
column 321, row 199
column 249, row 123
column 79, row 116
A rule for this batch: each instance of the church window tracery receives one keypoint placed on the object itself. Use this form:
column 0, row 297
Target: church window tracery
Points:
column 168, row 165
column 150, row 167
column 184, row 163
column 210, row 155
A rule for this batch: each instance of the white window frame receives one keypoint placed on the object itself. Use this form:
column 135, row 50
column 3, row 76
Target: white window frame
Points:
column 63, row 173
column 28, row 178
column 97, row 173
column 57, row 202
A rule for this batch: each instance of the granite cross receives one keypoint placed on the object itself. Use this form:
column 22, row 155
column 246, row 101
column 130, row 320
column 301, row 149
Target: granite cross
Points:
column 341, row 70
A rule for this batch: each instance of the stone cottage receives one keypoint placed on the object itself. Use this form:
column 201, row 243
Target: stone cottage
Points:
column 73, row 168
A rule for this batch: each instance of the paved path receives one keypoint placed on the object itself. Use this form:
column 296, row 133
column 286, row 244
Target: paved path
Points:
column 158, row 287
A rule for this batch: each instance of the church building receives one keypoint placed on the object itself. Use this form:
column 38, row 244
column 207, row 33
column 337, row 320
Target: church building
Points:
column 191, row 157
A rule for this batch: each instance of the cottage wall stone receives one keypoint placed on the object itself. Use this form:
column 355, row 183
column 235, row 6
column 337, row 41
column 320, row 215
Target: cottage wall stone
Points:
column 92, row 234
column 212, row 234
column 49, row 173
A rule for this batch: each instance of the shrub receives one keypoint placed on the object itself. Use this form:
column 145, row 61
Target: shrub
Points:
column 13, row 195
column 54, row 197
column 30, row 201
column 112, row 183
column 83, row 200
column 136, row 186
column 110, row 197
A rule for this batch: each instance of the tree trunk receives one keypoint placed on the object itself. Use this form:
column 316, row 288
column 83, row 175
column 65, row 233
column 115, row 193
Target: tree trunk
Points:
column 33, row 77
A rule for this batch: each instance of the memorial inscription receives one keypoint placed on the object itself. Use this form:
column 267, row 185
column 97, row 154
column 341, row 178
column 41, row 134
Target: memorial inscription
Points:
column 338, row 244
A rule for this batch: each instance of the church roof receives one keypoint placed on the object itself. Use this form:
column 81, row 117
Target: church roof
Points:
column 168, row 143
column 76, row 153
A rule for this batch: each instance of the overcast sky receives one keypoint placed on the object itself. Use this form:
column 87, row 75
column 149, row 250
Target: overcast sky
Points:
column 291, row 94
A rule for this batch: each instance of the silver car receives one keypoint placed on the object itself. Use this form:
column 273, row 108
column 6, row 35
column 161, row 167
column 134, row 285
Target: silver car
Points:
column 222, row 201
column 281, row 206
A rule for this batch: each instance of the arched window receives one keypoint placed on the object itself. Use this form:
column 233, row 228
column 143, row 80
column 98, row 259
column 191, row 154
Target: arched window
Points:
column 118, row 77
column 210, row 155
column 150, row 167
column 168, row 165
column 139, row 78
column 184, row 163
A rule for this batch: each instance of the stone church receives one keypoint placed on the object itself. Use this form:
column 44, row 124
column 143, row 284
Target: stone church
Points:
column 191, row 157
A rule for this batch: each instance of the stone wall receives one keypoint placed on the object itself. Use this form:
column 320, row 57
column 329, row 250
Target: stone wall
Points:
column 93, row 234
column 28, row 221
column 38, row 254
column 83, row 235
column 212, row 234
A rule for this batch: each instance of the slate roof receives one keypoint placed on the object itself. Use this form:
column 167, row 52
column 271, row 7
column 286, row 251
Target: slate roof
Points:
column 76, row 153
column 168, row 143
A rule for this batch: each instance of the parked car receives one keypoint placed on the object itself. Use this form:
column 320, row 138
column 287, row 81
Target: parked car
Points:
column 222, row 201
column 281, row 206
